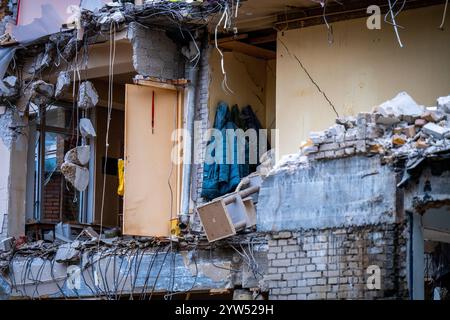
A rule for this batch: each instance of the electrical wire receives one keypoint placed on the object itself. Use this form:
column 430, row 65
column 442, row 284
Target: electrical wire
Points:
column 444, row 15
column 112, row 57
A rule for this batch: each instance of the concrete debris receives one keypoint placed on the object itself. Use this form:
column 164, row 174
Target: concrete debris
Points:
column 444, row 104
column 436, row 131
column 6, row 244
column 45, row 59
column 78, row 176
column 10, row 88
column 78, row 155
column 41, row 92
column 433, row 116
column 398, row 128
column 68, row 252
column 87, row 129
column 71, row 49
column 62, row 83
column 87, row 95
column 401, row 106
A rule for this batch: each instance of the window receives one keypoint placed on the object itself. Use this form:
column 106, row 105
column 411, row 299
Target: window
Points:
column 54, row 199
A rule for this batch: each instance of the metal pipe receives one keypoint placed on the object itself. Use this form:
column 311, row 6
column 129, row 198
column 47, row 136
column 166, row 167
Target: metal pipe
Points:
column 191, row 92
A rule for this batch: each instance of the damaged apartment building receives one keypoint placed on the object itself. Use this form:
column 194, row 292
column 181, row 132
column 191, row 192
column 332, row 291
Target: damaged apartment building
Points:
column 110, row 112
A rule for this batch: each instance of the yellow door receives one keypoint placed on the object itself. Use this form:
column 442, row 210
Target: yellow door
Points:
column 151, row 178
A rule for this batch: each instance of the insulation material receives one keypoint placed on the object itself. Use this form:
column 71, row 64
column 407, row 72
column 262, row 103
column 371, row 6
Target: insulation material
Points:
column 76, row 175
column 87, row 95
column 87, row 129
column 79, row 155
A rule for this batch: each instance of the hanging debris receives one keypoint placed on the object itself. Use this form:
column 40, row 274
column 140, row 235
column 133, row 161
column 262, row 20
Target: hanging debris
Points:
column 62, row 83
column 87, row 95
column 79, row 155
column 78, row 176
column 87, row 129
column 41, row 92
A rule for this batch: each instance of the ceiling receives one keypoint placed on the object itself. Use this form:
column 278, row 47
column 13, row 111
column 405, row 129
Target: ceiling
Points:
column 260, row 14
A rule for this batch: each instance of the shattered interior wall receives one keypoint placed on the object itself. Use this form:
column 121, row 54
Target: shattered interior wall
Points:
column 333, row 263
column 361, row 68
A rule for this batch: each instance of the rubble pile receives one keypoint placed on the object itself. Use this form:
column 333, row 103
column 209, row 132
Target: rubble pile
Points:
column 396, row 129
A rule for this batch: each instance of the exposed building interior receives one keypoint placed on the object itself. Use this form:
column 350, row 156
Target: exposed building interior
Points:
column 238, row 150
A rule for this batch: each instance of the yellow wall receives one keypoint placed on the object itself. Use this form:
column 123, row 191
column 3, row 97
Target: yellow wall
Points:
column 360, row 70
column 246, row 77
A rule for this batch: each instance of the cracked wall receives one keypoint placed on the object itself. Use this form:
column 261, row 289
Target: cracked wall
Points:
column 361, row 68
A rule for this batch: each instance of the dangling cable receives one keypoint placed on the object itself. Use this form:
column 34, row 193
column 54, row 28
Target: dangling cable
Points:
column 222, row 64
column 394, row 23
column 112, row 57
column 444, row 15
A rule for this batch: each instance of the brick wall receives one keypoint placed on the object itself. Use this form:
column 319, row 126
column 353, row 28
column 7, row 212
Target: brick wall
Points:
column 332, row 263
column 155, row 54
column 202, row 117
column 52, row 200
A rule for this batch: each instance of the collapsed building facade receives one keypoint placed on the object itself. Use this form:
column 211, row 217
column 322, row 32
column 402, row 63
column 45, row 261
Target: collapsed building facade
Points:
column 358, row 211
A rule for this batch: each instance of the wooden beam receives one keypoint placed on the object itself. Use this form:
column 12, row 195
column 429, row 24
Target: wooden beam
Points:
column 263, row 39
column 249, row 49
column 231, row 38
column 161, row 85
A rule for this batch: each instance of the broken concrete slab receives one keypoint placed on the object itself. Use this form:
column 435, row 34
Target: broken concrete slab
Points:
column 87, row 95
column 68, row 252
column 436, row 131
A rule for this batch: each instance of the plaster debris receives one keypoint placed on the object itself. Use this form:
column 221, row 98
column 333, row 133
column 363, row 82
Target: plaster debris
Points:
column 62, row 83
column 87, row 129
column 87, row 95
